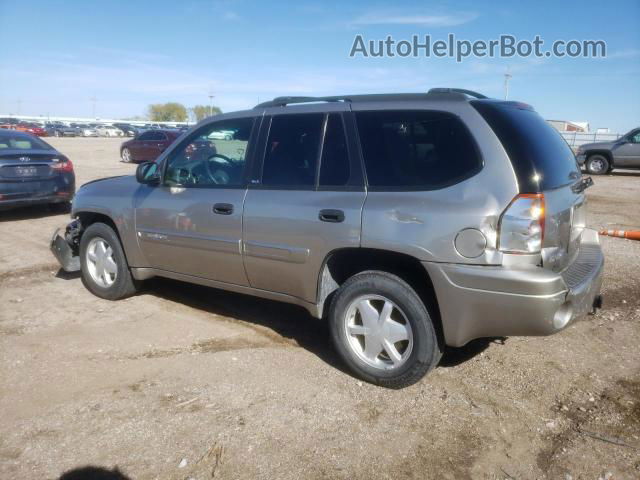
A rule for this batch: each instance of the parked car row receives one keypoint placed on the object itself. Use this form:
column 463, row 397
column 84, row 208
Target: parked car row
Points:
column 60, row 129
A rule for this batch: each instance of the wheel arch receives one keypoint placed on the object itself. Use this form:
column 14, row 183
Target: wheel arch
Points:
column 89, row 217
column 341, row 264
column 605, row 153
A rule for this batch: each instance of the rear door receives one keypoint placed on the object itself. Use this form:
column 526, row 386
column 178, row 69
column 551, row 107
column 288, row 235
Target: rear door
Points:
column 627, row 154
column 305, row 198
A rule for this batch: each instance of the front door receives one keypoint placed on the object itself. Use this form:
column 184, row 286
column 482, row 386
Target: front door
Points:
column 306, row 202
column 627, row 154
column 192, row 222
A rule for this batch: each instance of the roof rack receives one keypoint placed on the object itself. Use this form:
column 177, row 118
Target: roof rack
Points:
column 450, row 93
column 469, row 93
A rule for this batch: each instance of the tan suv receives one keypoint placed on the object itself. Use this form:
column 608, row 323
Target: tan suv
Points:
column 408, row 221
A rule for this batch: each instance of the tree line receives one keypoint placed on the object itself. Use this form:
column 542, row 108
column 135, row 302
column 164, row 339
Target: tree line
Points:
column 176, row 112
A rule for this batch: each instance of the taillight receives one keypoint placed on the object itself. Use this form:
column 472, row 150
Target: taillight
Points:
column 62, row 165
column 521, row 228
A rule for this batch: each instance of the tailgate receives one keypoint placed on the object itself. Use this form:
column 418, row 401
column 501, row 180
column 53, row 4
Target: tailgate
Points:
column 565, row 220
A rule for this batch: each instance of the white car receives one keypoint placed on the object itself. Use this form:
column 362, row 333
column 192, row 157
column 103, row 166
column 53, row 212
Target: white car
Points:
column 222, row 135
column 109, row 131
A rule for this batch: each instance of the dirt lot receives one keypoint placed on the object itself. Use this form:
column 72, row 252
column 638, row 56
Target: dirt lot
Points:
column 187, row 382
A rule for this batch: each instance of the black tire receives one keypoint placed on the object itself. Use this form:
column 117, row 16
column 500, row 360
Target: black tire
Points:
column 427, row 349
column 598, row 164
column 124, row 285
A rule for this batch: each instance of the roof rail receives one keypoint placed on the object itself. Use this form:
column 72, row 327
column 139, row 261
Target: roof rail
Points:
column 284, row 101
column 453, row 93
column 469, row 93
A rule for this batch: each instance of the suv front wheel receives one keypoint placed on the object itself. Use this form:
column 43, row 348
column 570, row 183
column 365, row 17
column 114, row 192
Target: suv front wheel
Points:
column 105, row 272
column 598, row 164
column 382, row 330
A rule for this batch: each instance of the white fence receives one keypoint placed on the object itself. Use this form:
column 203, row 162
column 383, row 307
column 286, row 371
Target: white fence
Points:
column 575, row 139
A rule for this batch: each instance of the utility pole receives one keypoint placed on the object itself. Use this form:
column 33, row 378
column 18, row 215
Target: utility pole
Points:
column 507, row 77
column 19, row 104
column 93, row 101
column 211, row 96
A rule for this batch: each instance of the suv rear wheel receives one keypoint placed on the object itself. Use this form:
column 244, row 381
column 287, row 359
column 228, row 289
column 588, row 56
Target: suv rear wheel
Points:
column 105, row 272
column 598, row 164
column 383, row 331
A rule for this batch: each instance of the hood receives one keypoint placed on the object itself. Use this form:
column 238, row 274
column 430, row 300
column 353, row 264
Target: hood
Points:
column 110, row 180
column 593, row 146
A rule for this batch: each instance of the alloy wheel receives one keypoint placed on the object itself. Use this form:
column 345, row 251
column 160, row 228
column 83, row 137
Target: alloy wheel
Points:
column 378, row 332
column 101, row 265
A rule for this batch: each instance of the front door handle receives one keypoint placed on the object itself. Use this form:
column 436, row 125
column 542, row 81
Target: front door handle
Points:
column 223, row 208
column 332, row 216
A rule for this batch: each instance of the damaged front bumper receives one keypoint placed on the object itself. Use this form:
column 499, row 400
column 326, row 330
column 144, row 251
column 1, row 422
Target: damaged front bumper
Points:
column 65, row 246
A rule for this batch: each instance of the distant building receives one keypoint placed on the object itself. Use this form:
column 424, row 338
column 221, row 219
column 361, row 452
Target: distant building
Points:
column 567, row 126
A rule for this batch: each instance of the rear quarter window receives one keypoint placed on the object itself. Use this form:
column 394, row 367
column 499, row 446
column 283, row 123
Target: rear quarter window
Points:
column 415, row 149
column 541, row 158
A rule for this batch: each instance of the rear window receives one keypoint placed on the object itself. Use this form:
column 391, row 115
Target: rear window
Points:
column 22, row 142
column 415, row 150
column 541, row 158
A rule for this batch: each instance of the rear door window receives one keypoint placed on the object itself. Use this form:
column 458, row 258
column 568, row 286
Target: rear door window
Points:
column 541, row 158
column 293, row 149
column 415, row 149
column 334, row 164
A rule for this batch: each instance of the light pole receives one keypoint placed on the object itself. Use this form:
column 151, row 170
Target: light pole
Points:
column 93, row 101
column 507, row 77
column 211, row 96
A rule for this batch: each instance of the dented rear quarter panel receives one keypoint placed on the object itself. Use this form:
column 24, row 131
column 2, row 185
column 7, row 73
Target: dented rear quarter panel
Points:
column 424, row 224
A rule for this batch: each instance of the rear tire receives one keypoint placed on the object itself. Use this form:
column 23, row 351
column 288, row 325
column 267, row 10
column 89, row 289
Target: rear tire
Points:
column 105, row 271
column 598, row 164
column 374, row 312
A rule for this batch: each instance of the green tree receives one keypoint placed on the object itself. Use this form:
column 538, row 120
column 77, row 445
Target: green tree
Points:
column 167, row 112
column 203, row 111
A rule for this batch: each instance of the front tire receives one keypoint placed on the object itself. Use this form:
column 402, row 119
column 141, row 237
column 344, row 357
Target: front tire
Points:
column 126, row 155
column 105, row 271
column 598, row 164
column 383, row 331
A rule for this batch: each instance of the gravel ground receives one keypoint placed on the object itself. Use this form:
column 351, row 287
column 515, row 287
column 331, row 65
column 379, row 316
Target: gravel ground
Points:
column 187, row 382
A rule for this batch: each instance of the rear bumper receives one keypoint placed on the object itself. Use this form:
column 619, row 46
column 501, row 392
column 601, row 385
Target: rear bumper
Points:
column 487, row 301
column 581, row 159
column 52, row 190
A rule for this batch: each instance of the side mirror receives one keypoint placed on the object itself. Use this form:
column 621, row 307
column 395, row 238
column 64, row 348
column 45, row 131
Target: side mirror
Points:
column 148, row 173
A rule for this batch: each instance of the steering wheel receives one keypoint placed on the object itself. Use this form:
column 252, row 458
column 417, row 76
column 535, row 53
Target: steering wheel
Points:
column 218, row 176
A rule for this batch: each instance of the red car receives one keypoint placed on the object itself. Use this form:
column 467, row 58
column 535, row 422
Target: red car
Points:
column 31, row 128
column 147, row 146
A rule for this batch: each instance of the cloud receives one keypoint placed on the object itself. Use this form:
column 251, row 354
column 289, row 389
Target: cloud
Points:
column 424, row 20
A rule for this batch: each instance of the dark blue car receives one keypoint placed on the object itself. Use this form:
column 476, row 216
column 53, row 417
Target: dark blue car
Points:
column 33, row 172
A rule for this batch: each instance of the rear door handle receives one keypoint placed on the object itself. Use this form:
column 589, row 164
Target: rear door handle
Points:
column 223, row 208
column 332, row 216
